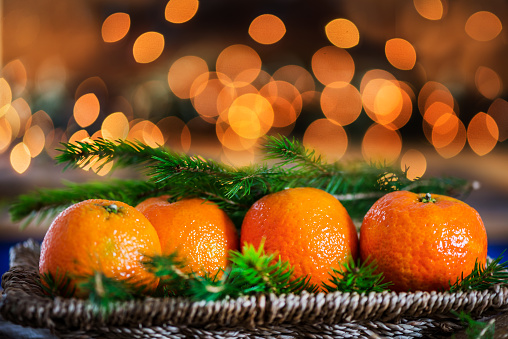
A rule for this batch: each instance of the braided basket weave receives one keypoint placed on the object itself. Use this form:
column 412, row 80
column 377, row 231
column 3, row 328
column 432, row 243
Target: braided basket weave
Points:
column 333, row 315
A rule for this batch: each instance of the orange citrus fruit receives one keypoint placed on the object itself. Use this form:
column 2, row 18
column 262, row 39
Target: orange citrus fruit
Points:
column 422, row 242
column 307, row 227
column 99, row 236
column 142, row 206
column 198, row 230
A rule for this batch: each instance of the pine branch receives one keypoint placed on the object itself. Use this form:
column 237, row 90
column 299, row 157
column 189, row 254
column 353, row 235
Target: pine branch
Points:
column 292, row 152
column 170, row 270
column 44, row 204
column 483, row 277
column 258, row 272
column 357, row 185
column 476, row 329
column 356, row 277
column 56, row 285
column 125, row 153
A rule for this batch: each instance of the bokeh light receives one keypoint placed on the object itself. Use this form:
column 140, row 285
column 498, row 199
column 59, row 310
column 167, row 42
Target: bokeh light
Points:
column 176, row 133
column 482, row 133
column 327, row 138
column 300, row 78
column 20, row 157
column 115, row 27
column 219, row 89
column 251, row 116
column 483, row 26
column 267, row 29
column 342, row 33
column 332, row 64
column 341, row 102
column 414, row 162
column 381, row 145
column 147, row 133
column 286, row 102
column 5, row 96
column 148, row 47
column 429, row 9
column 238, row 65
column 16, row 75
column 456, row 145
column 180, row 11
column 115, row 126
column 184, row 72
column 34, row 139
column 488, row 82
column 497, row 111
column 5, row 134
column 400, row 53
column 86, row 109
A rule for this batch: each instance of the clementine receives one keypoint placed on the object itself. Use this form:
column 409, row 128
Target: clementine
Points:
column 198, row 230
column 99, row 235
column 142, row 206
column 307, row 227
column 422, row 241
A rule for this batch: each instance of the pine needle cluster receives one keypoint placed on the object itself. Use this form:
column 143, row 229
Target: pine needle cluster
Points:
column 357, row 277
column 483, row 276
column 356, row 184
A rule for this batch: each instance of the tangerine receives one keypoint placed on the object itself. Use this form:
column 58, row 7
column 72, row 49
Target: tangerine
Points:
column 142, row 206
column 307, row 227
column 99, row 235
column 198, row 230
column 422, row 241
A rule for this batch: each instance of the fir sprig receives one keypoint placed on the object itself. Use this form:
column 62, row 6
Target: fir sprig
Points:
column 45, row 204
column 57, row 285
column 477, row 329
column 171, row 272
column 483, row 276
column 356, row 184
column 103, row 290
column 258, row 272
column 359, row 277
column 123, row 152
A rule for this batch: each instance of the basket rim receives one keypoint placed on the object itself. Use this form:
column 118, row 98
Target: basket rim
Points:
column 22, row 302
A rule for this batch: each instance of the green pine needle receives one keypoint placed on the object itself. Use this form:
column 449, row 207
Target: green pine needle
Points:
column 258, row 272
column 483, row 277
column 356, row 277
column 45, row 204
column 356, row 184
column 171, row 270
column 476, row 329
column 56, row 285
column 124, row 153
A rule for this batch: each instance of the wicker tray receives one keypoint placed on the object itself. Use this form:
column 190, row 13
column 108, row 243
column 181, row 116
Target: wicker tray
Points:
column 333, row 315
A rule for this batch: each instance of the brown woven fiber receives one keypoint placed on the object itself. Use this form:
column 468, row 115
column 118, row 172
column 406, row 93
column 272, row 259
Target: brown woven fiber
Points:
column 333, row 315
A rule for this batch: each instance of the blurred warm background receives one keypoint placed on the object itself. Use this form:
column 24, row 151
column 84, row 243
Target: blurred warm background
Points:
column 418, row 84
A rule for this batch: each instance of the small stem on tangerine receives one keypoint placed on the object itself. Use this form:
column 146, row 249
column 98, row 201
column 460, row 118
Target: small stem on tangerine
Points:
column 427, row 198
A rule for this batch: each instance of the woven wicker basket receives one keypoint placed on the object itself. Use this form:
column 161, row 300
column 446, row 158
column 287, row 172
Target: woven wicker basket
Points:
column 333, row 315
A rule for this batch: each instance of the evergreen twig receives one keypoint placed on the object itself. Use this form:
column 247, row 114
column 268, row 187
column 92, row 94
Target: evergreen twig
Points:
column 357, row 277
column 357, row 185
column 483, row 277
column 477, row 329
column 125, row 153
column 57, row 285
column 45, row 204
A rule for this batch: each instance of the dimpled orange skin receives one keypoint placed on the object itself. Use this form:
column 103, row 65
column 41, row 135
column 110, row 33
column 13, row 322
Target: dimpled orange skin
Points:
column 422, row 245
column 306, row 226
column 199, row 231
column 142, row 206
column 86, row 238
